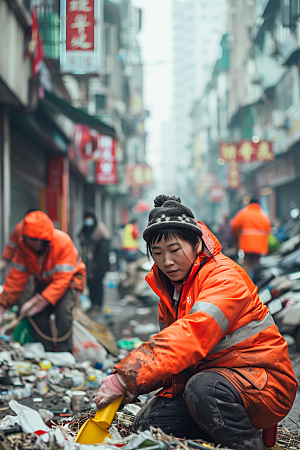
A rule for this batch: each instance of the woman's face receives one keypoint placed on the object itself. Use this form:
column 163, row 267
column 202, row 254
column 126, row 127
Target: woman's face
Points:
column 175, row 257
column 35, row 244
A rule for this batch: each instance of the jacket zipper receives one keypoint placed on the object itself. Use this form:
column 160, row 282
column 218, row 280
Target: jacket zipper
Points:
column 177, row 306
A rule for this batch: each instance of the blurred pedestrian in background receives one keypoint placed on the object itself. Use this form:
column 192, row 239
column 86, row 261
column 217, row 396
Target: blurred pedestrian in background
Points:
column 10, row 247
column 52, row 258
column 251, row 227
column 94, row 239
column 116, row 245
column 130, row 241
column 225, row 234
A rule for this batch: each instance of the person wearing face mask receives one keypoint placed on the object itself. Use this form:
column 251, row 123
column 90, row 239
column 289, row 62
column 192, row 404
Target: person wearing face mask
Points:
column 221, row 365
column 50, row 256
column 94, row 239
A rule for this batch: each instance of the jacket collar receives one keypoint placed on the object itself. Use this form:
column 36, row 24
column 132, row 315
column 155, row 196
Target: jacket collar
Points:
column 156, row 282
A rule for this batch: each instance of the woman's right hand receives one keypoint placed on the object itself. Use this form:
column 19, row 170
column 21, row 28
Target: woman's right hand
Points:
column 109, row 391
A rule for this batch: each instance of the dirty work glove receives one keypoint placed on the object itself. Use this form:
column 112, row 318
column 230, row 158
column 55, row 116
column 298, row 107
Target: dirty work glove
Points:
column 35, row 305
column 2, row 309
column 111, row 388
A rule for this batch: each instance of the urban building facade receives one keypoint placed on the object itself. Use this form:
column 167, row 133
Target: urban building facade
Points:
column 67, row 129
column 255, row 86
column 198, row 26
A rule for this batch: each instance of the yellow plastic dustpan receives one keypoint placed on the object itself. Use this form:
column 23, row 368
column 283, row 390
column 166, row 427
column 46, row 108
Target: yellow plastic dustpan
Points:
column 94, row 431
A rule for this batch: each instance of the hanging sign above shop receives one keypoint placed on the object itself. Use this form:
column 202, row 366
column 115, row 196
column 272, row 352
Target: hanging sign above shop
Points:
column 106, row 166
column 80, row 36
column 246, row 151
column 139, row 175
column 233, row 175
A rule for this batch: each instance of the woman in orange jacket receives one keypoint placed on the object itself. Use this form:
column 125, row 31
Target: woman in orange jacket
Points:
column 223, row 367
column 51, row 257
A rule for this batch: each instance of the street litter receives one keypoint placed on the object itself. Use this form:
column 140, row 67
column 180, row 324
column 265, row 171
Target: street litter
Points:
column 146, row 328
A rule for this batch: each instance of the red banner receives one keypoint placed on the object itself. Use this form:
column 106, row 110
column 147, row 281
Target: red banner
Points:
column 106, row 166
column 246, row 151
column 36, row 48
column 233, row 175
column 138, row 175
column 50, row 202
column 80, row 25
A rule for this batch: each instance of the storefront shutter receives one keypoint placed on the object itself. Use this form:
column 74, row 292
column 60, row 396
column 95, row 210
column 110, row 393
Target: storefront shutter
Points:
column 28, row 175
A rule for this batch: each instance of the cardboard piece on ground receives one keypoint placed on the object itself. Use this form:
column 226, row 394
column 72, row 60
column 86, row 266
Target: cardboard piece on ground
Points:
column 101, row 333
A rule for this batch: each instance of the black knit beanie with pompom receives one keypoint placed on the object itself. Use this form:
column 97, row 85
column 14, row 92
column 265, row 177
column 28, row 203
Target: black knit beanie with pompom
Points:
column 168, row 212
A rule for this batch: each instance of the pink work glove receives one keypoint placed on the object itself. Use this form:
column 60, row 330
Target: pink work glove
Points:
column 3, row 264
column 111, row 389
column 2, row 309
column 29, row 310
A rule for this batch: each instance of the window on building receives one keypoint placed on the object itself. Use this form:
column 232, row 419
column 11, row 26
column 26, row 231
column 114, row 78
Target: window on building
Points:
column 100, row 100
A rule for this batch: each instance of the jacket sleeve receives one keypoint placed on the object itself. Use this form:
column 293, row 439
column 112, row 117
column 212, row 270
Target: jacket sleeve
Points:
column 221, row 301
column 15, row 280
column 10, row 247
column 161, row 318
column 65, row 265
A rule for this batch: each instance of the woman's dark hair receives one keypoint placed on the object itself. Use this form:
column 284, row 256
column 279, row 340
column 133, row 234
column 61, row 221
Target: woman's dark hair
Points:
column 166, row 233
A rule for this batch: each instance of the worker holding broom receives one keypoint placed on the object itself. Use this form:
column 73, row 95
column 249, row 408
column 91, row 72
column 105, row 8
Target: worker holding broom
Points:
column 222, row 366
column 51, row 257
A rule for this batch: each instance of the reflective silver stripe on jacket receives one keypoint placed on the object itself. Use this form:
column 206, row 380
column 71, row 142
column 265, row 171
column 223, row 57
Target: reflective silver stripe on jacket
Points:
column 243, row 333
column 19, row 267
column 48, row 273
column 254, row 231
column 12, row 244
column 161, row 325
column 64, row 268
column 214, row 312
column 58, row 268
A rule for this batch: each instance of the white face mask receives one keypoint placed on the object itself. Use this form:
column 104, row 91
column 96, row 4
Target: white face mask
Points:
column 89, row 222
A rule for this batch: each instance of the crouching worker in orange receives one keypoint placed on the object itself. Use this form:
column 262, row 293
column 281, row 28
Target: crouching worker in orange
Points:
column 223, row 367
column 51, row 257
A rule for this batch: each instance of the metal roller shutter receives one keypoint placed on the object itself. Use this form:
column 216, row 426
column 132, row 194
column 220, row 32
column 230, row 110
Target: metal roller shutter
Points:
column 28, row 176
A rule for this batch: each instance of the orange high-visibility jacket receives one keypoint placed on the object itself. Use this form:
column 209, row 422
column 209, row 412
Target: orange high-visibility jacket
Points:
column 251, row 226
column 220, row 325
column 10, row 247
column 58, row 269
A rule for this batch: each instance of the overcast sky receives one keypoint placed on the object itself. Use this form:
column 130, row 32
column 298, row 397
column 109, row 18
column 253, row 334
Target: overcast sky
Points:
column 156, row 48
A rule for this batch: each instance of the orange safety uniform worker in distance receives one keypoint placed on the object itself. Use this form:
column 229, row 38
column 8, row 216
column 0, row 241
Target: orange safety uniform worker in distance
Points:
column 52, row 258
column 222, row 366
column 251, row 227
column 10, row 247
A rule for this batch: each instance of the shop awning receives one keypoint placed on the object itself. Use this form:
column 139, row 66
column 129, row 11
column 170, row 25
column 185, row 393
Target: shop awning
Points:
column 293, row 58
column 77, row 115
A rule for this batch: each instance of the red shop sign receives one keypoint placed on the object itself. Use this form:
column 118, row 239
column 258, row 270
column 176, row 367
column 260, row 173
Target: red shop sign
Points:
column 106, row 167
column 80, row 25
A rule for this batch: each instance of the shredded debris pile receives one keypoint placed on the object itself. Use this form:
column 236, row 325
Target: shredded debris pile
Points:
column 288, row 440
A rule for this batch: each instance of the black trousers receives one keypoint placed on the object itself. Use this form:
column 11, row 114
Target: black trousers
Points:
column 96, row 291
column 63, row 320
column 210, row 408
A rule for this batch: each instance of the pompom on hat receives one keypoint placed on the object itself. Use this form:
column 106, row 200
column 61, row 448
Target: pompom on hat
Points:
column 169, row 212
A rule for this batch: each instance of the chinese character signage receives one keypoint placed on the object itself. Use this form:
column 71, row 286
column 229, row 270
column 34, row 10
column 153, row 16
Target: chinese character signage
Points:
column 136, row 90
column 106, row 166
column 246, row 151
column 80, row 36
column 233, row 175
column 138, row 175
